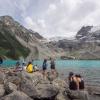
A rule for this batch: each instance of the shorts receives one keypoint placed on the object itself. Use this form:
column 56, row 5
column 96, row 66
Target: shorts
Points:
column 44, row 68
column 52, row 66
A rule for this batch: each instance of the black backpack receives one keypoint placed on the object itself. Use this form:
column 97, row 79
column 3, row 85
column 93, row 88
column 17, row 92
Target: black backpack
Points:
column 81, row 85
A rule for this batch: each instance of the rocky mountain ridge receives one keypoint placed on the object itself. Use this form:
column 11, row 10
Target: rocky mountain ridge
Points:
column 86, row 44
column 31, row 45
column 30, row 40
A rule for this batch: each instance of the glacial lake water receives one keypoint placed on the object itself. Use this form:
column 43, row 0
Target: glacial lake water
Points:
column 62, row 64
column 89, row 69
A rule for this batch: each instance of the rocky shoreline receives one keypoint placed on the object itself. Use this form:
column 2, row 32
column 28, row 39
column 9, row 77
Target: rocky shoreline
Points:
column 26, row 86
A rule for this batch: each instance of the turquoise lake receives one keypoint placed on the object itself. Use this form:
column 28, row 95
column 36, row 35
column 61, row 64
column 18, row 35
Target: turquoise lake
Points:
column 62, row 63
column 89, row 69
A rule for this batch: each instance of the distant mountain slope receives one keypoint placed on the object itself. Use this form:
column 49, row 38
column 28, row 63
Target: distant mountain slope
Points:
column 17, row 41
column 9, row 45
column 37, row 35
column 89, row 33
column 86, row 44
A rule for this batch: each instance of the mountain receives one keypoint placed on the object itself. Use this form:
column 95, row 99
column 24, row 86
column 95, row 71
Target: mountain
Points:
column 37, row 35
column 89, row 33
column 56, row 39
column 85, row 45
column 9, row 45
column 16, row 41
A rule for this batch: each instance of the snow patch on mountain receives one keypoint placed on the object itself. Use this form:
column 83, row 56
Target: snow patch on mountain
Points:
column 94, row 29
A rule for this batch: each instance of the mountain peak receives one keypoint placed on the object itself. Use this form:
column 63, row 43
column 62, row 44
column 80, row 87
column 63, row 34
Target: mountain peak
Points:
column 7, row 20
column 7, row 17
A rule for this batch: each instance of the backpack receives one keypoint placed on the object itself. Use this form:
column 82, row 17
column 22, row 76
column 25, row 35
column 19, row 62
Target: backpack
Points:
column 81, row 85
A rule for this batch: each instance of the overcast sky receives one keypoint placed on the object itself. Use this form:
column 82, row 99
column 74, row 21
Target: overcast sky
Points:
column 53, row 17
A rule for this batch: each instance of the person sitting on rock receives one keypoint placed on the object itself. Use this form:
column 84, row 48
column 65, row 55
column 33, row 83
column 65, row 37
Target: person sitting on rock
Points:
column 36, row 68
column 24, row 66
column 18, row 67
column 30, row 68
column 75, row 82
column 79, row 81
column 72, row 81
column 1, row 60
column 76, row 86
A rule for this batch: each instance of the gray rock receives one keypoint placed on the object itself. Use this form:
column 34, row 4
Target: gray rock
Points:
column 2, row 90
column 16, row 95
column 14, row 79
column 94, row 90
column 94, row 97
column 60, row 96
column 28, row 88
column 46, row 91
column 60, row 84
column 81, row 95
column 10, row 87
column 35, row 77
column 2, row 77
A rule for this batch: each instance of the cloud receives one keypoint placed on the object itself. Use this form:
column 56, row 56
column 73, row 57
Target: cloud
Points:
column 41, row 22
column 53, row 17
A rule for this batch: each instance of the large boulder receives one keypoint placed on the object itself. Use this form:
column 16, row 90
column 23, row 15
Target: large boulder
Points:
column 51, row 76
column 46, row 92
column 10, row 87
column 60, row 96
column 94, row 97
column 13, row 78
column 28, row 88
column 35, row 77
column 60, row 84
column 94, row 90
column 81, row 94
column 16, row 95
column 2, row 90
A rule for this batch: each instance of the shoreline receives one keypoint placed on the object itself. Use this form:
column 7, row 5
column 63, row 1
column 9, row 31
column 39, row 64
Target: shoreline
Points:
column 89, row 75
column 27, row 83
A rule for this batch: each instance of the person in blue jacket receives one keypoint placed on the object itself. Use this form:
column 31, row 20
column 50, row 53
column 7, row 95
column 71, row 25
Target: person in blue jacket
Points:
column 44, row 67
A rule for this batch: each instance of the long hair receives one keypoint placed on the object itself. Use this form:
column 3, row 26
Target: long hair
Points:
column 70, row 75
column 29, row 63
column 45, row 60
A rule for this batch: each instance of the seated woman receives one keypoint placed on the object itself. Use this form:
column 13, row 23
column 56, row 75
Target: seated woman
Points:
column 75, row 82
column 72, row 81
column 30, row 68
column 18, row 67
column 36, row 68
column 80, row 82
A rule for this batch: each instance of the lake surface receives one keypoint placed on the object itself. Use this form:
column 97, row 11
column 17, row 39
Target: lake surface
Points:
column 62, row 64
column 89, row 69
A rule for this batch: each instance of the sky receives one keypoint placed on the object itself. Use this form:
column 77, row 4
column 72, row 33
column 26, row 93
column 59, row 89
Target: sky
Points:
column 52, row 18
